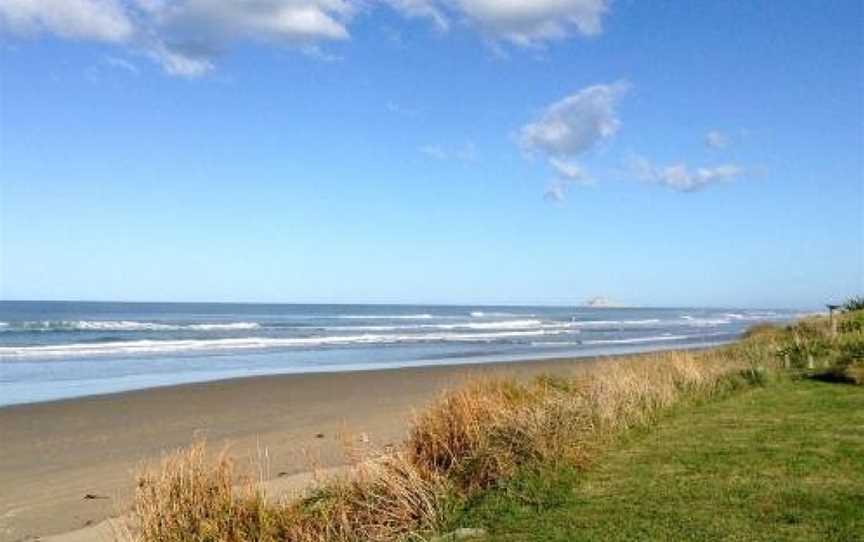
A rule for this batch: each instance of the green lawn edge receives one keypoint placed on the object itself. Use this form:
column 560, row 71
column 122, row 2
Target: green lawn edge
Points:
column 779, row 462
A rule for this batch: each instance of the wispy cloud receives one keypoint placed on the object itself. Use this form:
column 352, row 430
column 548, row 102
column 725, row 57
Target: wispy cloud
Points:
column 528, row 23
column 568, row 171
column 682, row 178
column 121, row 64
column 716, row 139
column 556, row 191
column 465, row 153
column 434, row 151
column 426, row 9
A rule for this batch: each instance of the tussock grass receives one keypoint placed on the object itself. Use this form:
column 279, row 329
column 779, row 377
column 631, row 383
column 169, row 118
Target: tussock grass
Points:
column 193, row 498
column 469, row 439
column 480, row 434
column 384, row 499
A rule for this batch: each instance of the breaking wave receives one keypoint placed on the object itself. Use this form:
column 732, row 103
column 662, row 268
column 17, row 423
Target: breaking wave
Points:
column 251, row 343
column 121, row 325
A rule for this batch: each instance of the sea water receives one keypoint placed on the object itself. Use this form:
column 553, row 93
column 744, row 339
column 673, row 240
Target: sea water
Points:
column 56, row 350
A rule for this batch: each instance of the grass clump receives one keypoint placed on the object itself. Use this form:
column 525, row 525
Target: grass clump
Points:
column 384, row 499
column 192, row 498
column 482, row 433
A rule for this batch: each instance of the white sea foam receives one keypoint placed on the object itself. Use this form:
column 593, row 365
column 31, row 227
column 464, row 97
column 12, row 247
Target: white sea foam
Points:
column 233, row 325
column 705, row 322
column 504, row 324
column 484, row 314
column 123, row 325
column 386, row 316
column 753, row 316
column 480, row 326
column 141, row 347
column 657, row 338
column 589, row 323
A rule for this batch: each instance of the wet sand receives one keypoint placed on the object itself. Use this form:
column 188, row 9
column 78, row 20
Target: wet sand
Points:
column 68, row 464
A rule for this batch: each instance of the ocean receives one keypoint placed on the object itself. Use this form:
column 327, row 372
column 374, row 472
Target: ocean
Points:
column 57, row 350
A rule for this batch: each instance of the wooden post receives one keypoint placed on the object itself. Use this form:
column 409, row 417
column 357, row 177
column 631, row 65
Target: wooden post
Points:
column 831, row 322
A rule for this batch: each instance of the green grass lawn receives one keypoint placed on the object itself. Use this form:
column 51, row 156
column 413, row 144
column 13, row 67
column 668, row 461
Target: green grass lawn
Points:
column 784, row 462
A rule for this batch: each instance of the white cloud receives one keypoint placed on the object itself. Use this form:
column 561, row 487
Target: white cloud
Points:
column 716, row 139
column 575, row 124
column 681, row 178
column 530, row 22
column 99, row 20
column 571, row 127
column 218, row 21
column 186, row 36
column 190, row 34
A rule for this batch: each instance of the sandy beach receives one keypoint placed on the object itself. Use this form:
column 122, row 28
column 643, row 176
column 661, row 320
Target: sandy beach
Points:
column 68, row 464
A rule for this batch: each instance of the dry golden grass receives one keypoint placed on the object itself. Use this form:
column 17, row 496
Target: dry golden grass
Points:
column 484, row 432
column 192, row 498
column 468, row 439
column 385, row 498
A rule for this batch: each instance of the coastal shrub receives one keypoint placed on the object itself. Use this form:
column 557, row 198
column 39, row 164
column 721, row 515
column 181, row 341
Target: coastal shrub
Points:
column 848, row 359
column 812, row 347
column 855, row 303
column 806, row 344
column 802, row 353
column 852, row 322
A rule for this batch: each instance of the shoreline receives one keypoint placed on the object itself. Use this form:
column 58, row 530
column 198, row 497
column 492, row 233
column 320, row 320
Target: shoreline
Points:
column 456, row 361
column 70, row 463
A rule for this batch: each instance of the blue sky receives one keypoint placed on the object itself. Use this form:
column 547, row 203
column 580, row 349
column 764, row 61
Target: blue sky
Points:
column 443, row 151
